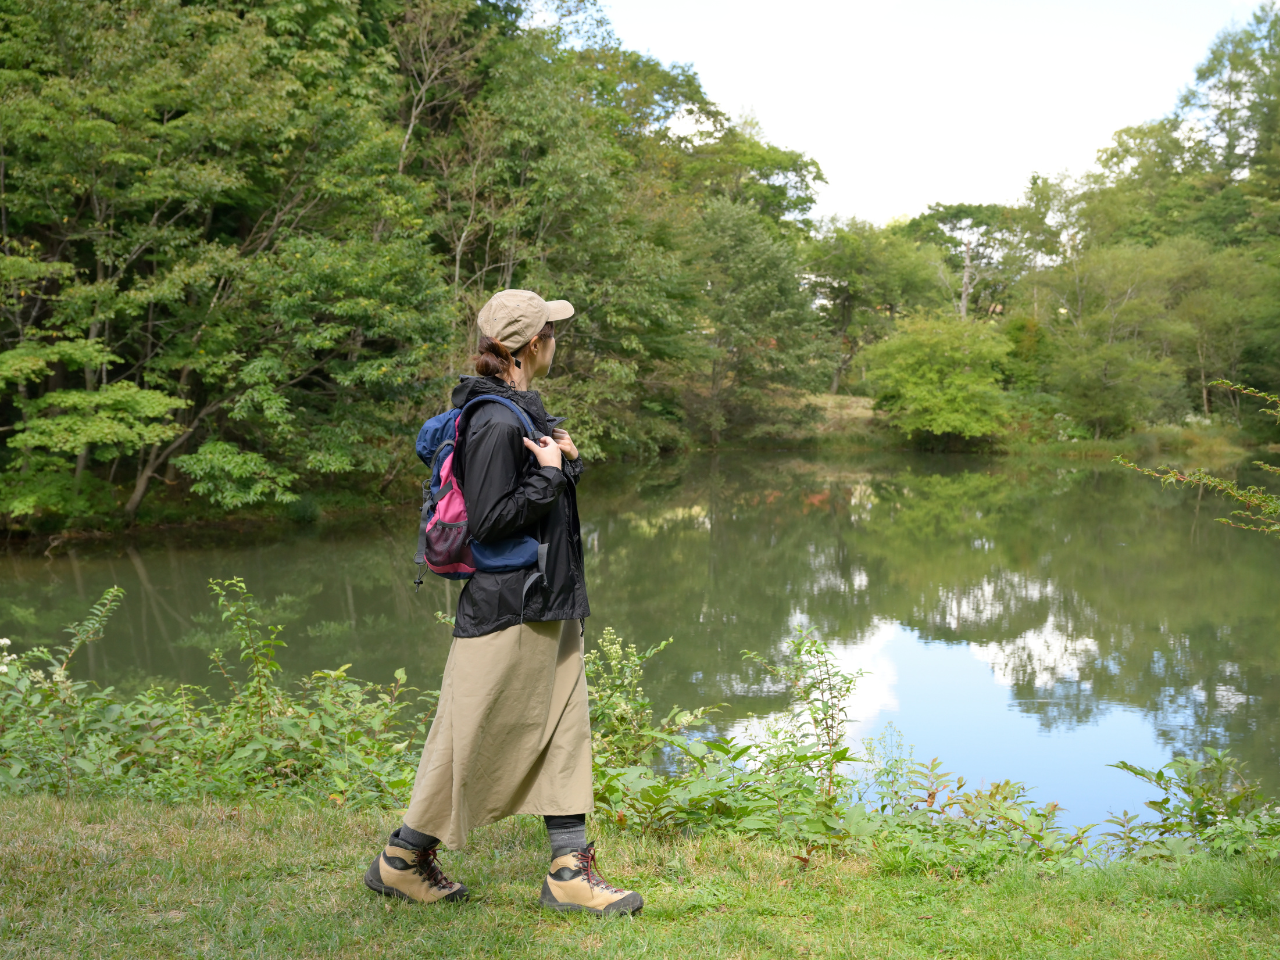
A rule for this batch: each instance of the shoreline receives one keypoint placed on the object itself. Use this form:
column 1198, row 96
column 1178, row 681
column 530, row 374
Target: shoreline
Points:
column 1215, row 448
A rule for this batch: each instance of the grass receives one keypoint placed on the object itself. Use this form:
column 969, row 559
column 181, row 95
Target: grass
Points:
column 124, row 879
column 1212, row 447
column 849, row 423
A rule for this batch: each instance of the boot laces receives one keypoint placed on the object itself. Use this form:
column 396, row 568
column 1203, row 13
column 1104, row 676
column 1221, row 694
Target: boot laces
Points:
column 427, row 864
column 590, row 869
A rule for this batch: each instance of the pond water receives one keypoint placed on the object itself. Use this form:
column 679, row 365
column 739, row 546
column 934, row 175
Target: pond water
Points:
column 1016, row 619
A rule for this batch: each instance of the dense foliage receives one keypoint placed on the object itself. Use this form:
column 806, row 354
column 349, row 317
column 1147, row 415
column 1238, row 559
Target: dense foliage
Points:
column 242, row 244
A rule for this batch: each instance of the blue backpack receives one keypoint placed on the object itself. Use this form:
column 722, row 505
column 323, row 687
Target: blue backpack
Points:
column 444, row 545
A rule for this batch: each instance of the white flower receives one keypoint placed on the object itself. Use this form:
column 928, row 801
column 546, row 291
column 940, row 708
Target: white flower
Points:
column 4, row 641
column 4, row 668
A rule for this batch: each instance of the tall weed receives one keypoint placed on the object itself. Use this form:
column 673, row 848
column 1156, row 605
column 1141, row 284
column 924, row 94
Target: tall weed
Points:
column 334, row 740
column 1207, row 805
column 794, row 778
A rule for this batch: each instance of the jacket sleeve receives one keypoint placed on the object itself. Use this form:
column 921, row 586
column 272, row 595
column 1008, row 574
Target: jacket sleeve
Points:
column 499, row 502
column 573, row 470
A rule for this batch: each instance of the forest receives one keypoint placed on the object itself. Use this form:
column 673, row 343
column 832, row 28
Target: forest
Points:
column 242, row 247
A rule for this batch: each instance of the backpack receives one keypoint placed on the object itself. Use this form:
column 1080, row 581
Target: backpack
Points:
column 444, row 545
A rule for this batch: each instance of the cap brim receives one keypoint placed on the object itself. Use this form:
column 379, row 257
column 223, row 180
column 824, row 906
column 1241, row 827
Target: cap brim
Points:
column 561, row 310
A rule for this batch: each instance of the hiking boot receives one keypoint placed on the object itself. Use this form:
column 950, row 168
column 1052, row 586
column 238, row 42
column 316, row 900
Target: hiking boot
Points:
column 572, row 883
column 411, row 874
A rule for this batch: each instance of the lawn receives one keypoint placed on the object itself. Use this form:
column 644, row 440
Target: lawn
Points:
column 121, row 879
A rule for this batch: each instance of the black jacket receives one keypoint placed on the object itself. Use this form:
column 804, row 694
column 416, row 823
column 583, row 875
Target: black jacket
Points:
column 508, row 494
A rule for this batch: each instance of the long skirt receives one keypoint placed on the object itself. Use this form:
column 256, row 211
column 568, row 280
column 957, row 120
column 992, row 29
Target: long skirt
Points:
column 511, row 734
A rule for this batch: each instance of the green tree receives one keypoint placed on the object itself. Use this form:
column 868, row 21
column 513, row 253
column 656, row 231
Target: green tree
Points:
column 865, row 277
column 1211, row 170
column 1220, row 299
column 212, row 202
column 760, row 332
column 1156, row 181
column 1106, row 313
column 938, row 379
column 986, row 247
column 738, row 163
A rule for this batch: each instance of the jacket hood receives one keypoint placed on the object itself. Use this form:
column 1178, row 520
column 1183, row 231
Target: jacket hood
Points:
column 530, row 401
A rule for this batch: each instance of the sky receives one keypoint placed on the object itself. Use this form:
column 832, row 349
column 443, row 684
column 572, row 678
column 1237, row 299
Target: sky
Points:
column 908, row 104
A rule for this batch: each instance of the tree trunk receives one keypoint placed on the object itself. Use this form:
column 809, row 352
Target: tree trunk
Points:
column 841, row 368
column 715, row 404
column 140, row 485
column 390, row 474
column 157, row 458
column 90, row 385
column 966, row 282
column 1204, row 385
column 846, row 318
column 81, row 459
column 26, row 454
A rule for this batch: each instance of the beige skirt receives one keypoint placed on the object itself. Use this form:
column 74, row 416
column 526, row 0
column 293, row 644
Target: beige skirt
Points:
column 511, row 734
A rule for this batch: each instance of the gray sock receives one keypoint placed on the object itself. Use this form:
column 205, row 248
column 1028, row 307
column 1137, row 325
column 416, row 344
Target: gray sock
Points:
column 406, row 836
column 566, row 832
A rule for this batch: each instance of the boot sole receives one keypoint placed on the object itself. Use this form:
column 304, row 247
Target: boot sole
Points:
column 373, row 880
column 631, row 904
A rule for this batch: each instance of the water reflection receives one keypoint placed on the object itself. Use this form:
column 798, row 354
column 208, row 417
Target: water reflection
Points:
column 1083, row 591
column 1084, row 605
column 340, row 591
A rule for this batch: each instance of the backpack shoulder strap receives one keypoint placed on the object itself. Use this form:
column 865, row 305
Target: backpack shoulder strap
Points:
column 525, row 423
column 526, row 427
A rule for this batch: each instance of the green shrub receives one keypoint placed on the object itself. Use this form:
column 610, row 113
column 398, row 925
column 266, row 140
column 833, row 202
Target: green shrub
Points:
column 1208, row 805
column 336, row 740
column 622, row 726
column 939, row 379
column 793, row 779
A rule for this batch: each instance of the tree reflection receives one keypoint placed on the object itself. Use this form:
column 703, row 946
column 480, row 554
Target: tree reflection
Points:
column 343, row 591
column 1083, row 588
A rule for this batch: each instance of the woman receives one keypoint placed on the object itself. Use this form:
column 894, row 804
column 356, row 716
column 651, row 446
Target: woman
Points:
column 512, row 733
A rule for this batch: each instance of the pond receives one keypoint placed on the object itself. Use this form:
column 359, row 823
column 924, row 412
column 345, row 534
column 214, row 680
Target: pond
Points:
column 1015, row 618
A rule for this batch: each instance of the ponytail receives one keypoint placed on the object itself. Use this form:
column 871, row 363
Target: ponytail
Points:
column 493, row 360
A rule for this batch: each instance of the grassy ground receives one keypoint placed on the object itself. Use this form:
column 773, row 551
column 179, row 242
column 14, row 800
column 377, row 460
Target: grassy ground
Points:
column 1212, row 447
column 849, row 423
column 98, row 879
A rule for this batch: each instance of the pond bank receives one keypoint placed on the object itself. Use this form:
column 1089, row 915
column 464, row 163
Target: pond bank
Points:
column 126, row 879
column 844, row 426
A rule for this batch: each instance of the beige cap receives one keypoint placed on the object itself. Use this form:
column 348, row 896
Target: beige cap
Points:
column 514, row 317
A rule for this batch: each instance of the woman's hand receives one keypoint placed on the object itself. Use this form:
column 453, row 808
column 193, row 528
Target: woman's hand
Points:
column 547, row 451
column 565, row 443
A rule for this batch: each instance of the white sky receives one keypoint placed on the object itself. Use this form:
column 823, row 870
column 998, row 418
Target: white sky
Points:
column 907, row 104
